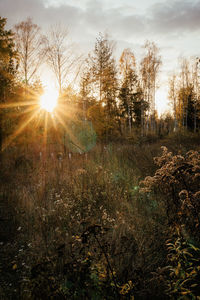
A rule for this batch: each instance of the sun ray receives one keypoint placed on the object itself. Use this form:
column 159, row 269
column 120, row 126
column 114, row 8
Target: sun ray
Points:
column 23, row 114
column 45, row 134
column 73, row 118
column 18, row 131
column 66, row 113
column 18, row 104
column 39, row 121
column 73, row 139
column 56, row 128
column 69, row 109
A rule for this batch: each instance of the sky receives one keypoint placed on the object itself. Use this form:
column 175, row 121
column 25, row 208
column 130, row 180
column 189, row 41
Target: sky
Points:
column 174, row 25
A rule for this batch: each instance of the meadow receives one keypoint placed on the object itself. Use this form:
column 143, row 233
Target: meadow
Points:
column 114, row 223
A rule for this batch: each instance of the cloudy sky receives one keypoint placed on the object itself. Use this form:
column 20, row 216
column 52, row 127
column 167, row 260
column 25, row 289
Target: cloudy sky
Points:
column 174, row 25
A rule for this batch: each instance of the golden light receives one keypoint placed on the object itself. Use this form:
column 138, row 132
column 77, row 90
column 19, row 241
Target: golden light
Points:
column 49, row 99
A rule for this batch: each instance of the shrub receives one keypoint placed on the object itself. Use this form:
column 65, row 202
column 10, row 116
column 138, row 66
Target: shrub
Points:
column 177, row 183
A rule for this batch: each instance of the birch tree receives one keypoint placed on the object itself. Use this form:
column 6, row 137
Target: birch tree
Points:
column 29, row 44
column 174, row 98
column 60, row 55
column 149, row 68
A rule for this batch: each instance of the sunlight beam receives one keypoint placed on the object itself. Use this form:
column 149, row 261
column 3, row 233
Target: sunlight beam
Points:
column 72, row 137
column 18, row 104
column 18, row 131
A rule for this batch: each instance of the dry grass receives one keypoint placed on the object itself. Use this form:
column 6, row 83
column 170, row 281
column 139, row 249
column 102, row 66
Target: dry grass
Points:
column 57, row 201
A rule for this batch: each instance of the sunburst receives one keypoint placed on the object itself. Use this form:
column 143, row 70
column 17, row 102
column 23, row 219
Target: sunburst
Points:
column 48, row 111
column 29, row 107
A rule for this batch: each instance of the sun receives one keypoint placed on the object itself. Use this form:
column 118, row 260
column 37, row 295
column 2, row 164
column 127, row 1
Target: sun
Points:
column 49, row 99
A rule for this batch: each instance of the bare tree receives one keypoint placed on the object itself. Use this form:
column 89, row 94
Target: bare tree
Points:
column 29, row 44
column 61, row 56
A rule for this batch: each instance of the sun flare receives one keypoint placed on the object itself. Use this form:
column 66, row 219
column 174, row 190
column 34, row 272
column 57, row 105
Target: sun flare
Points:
column 49, row 99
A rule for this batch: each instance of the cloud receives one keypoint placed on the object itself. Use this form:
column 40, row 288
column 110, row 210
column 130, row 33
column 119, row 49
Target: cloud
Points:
column 41, row 14
column 99, row 18
column 159, row 22
column 19, row 10
column 167, row 17
column 175, row 17
column 91, row 18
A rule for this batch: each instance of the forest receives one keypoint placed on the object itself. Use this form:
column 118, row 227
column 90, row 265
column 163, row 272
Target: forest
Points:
column 99, row 194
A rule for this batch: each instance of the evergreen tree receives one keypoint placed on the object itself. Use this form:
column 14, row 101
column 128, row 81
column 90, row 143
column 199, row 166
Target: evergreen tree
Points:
column 86, row 98
column 104, row 79
column 186, row 97
column 8, row 67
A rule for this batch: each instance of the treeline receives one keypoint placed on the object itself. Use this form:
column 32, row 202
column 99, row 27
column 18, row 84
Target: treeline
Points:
column 119, row 98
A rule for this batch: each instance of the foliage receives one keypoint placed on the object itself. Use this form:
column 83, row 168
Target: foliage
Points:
column 178, row 180
column 104, row 128
column 8, row 68
column 183, row 257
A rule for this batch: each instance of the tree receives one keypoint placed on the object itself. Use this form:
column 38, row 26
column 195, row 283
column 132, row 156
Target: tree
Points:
column 184, row 88
column 186, row 97
column 61, row 55
column 197, row 91
column 103, row 71
column 186, row 91
column 173, row 97
column 8, row 58
column 104, row 78
column 149, row 69
column 86, row 98
column 98, row 115
column 127, row 66
column 8, row 67
column 130, row 95
column 29, row 44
